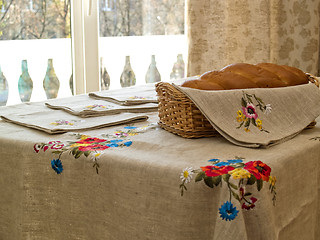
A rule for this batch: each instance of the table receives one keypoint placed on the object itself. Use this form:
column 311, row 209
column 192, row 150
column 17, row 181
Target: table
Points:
column 136, row 194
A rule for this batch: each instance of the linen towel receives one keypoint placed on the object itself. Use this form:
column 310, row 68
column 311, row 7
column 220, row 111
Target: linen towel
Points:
column 258, row 117
column 84, row 106
column 128, row 96
column 54, row 122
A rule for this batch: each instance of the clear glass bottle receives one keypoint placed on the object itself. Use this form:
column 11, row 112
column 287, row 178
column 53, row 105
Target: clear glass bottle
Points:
column 3, row 89
column 178, row 68
column 128, row 77
column 25, row 83
column 104, row 75
column 153, row 74
column 51, row 82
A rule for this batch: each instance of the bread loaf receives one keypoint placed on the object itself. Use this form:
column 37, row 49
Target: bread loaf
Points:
column 244, row 75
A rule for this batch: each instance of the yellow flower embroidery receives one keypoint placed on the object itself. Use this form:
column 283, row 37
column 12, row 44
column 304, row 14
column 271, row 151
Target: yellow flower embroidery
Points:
column 239, row 173
column 258, row 122
column 272, row 180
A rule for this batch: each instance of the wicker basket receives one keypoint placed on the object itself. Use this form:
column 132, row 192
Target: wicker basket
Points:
column 179, row 115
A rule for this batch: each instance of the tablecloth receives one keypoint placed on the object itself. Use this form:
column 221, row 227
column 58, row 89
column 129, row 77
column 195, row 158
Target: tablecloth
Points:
column 130, row 190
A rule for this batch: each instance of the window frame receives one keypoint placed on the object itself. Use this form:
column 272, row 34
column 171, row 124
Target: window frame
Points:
column 85, row 37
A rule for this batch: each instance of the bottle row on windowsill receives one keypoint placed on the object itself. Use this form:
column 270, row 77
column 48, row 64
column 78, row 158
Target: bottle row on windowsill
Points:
column 51, row 82
column 128, row 78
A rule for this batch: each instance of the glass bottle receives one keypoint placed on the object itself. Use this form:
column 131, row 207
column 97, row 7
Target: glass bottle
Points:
column 51, row 82
column 3, row 89
column 128, row 77
column 71, row 84
column 104, row 75
column 153, row 74
column 25, row 84
column 178, row 68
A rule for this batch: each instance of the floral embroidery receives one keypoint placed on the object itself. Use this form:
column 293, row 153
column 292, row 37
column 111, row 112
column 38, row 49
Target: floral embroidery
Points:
column 227, row 211
column 56, row 165
column 86, row 145
column 315, row 138
column 186, row 175
column 131, row 131
column 237, row 175
column 96, row 106
column 92, row 147
column 63, row 122
column 249, row 115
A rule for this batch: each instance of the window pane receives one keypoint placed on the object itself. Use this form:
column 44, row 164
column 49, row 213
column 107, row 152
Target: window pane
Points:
column 35, row 48
column 148, row 32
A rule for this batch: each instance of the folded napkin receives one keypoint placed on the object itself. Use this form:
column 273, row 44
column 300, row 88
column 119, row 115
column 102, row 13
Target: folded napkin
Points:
column 84, row 106
column 54, row 122
column 259, row 117
column 128, row 96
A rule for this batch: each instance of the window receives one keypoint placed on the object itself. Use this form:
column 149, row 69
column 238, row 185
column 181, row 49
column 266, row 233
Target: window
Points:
column 85, row 40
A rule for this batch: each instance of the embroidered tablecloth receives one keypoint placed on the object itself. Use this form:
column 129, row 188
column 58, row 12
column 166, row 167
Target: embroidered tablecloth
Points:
column 124, row 182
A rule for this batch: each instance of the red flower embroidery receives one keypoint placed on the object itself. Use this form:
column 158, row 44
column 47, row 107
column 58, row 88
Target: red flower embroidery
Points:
column 259, row 169
column 93, row 147
column 250, row 204
column 213, row 171
column 91, row 140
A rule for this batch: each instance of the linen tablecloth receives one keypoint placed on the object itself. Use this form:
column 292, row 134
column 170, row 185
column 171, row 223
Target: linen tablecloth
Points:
column 136, row 194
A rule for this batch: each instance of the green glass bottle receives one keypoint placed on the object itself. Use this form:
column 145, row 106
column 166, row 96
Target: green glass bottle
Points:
column 153, row 74
column 51, row 82
column 3, row 89
column 128, row 77
column 25, row 84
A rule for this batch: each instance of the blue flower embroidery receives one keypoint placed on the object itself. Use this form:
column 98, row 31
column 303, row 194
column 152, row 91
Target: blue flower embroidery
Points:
column 213, row 160
column 130, row 127
column 235, row 161
column 128, row 144
column 227, row 211
column 220, row 164
column 56, row 165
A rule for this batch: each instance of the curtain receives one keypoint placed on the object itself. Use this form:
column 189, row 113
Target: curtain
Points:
column 222, row 32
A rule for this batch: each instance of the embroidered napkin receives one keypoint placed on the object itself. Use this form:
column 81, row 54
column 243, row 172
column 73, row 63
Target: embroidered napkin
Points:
column 54, row 122
column 84, row 106
column 258, row 117
column 128, row 96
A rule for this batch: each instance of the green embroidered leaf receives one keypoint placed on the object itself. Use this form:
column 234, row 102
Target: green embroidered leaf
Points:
column 208, row 181
column 87, row 153
column 233, row 186
column 74, row 150
column 243, row 102
column 57, row 152
column 78, row 154
column 200, row 176
column 253, row 121
column 247, row 123
column 236, row 196
column 258, row 99
column 216, row 180
column 226, row 177
column 251, row 180
column 259, row 184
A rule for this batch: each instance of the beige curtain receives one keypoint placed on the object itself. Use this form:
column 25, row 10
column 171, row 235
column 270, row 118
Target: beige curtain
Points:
column 222, row 32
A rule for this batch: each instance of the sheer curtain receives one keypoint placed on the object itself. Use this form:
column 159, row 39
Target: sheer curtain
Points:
column 222, row 32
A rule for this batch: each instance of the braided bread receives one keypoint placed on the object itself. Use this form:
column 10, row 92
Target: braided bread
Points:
column 244, row 75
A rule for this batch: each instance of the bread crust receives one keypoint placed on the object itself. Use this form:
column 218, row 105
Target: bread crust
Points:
column 244, row 75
